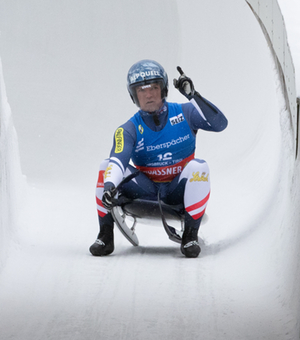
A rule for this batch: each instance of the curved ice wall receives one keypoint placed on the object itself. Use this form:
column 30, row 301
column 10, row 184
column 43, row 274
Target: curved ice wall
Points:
column 11, row 182
column 270, row 18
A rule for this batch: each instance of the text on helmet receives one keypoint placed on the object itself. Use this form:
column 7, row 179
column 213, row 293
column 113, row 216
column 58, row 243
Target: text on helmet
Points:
column 145, row 74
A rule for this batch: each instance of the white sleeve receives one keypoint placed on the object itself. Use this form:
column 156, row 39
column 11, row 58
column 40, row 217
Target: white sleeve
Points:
column 114, row 171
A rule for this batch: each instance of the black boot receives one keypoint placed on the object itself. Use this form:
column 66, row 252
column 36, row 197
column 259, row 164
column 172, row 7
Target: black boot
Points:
column 189, row 244
column 104, row 245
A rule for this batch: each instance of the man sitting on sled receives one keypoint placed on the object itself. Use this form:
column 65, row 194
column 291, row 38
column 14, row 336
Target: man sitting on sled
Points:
column 160, row 141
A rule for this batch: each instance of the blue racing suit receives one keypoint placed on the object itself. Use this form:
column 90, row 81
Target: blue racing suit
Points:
column 162, row 148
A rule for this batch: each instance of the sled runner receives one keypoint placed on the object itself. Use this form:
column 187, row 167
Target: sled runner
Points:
column 127, row 211
column 140, row 208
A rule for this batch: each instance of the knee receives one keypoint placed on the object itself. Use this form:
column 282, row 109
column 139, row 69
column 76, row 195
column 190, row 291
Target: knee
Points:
column 197, row 165
column 196, row 170
column 100, row 181
column 103, row 165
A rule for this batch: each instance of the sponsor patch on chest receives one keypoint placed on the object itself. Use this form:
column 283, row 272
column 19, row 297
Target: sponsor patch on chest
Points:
column 177, row 119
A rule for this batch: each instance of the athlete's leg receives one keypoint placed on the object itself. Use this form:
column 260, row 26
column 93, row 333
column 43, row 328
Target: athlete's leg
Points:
column 139, row 187
column 192, row 188
column 104, row 216
column 104, row 244
column 197, row 189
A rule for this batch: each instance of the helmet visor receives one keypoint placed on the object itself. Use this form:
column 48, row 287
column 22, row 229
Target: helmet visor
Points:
column 145, row 84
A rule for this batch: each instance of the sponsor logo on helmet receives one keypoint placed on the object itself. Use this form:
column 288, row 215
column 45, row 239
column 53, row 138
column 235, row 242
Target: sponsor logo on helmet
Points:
column 176, row 120
column 143, row 75
column 119, row 138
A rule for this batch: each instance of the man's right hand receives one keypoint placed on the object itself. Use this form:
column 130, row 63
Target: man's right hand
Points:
column 184, row 84
column 108, row 198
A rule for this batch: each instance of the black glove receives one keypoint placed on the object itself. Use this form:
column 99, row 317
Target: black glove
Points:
column 184, row 84
column 108, row 199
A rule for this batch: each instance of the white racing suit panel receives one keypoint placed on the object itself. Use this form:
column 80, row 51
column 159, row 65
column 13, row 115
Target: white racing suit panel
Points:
column 197, row 188
column 195, row 192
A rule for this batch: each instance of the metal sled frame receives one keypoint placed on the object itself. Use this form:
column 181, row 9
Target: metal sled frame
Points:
column 140, row 208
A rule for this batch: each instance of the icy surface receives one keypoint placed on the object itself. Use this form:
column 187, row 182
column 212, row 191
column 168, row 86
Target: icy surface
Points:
column 65, row 67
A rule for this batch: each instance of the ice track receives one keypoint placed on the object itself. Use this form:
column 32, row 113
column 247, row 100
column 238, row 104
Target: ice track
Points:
column 64, row 67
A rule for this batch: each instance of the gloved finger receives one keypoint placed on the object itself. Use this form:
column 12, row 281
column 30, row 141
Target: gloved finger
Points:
column 179, row 69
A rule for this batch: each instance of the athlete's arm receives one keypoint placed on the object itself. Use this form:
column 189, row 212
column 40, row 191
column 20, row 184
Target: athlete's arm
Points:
column 202, row 114
column 124, row 141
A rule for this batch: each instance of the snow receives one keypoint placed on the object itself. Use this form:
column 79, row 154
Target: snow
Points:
column 65, row 67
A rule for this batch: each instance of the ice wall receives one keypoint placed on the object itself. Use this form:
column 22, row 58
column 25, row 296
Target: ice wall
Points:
column 272, row 23
column 12, row 183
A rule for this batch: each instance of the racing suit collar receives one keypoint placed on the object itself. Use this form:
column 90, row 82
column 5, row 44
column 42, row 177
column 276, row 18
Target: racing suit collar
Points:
column 163, row 109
